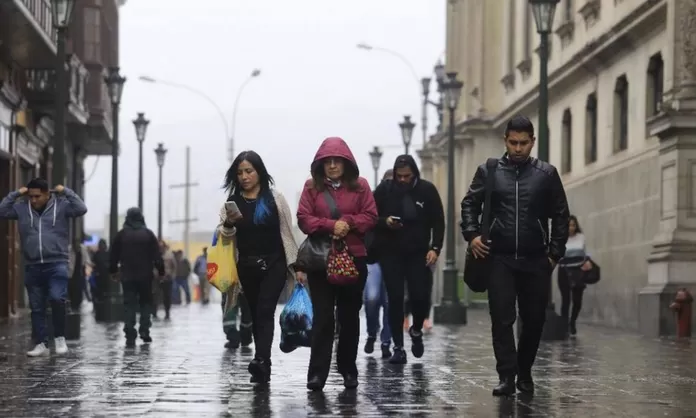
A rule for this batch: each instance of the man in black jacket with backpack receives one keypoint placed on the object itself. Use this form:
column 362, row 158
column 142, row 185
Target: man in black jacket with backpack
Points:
column 408, row 240
column 527, row 194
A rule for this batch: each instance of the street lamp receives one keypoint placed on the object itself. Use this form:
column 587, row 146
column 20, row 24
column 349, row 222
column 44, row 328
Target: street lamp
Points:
column 555, row 327
column 407, row 132
column 451, row 310
column 439, row 71
column 140, row 124
column 254, row 74
column 161, row 152
column 62, row 13
column 376, row 157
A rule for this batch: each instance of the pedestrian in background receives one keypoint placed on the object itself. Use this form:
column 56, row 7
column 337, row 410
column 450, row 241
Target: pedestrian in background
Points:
column 336, row 189
column 43, row 219
column 134, row 255
column 200, row 269
column 181, row 281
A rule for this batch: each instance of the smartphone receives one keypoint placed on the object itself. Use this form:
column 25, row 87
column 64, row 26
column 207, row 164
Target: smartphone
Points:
column 232, row 207
column 396, row 219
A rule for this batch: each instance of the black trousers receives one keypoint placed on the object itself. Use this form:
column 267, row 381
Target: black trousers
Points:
column 347, row 301
column 571, row 293
column 409, row 269
column 166, row 295
column 137, row 298
column 263, row 280
column 525, row 281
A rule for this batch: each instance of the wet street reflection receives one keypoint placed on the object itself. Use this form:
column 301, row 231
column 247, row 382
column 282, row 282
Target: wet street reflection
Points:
column 187, row 372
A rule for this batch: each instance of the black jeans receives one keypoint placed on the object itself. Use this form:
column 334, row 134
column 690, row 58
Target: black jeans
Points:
column 525, row 281
column 137, row 297
column 263, row 279
column 166, row 295
column 410, row 269
column 571, row 292
column 347, row 301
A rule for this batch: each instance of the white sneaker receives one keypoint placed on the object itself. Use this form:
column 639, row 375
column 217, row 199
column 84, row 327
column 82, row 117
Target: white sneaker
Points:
column 39, row 350
column 61, row 345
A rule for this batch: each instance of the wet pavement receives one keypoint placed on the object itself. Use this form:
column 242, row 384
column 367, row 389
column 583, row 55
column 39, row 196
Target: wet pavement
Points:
column 187, row 372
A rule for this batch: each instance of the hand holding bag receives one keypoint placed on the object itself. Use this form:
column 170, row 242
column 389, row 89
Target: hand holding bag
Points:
column 314, row 250
column 478, row 270
column 341, row 269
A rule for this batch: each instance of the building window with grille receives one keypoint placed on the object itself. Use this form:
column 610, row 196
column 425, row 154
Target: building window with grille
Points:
column 655, row 87
column 591, row 129
column 566, row 142
column 621, row 114
column 92, row 27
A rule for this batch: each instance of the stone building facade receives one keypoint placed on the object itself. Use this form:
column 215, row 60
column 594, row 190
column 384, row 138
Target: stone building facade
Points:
column 622, row 122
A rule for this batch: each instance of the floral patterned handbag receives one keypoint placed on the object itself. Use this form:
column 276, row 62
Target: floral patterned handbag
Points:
column 340, row 267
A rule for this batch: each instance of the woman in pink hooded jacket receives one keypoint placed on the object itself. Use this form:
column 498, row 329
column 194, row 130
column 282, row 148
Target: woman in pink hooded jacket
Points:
column 335, row 171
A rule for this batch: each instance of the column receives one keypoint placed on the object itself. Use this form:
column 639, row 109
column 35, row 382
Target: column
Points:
column 672, row 261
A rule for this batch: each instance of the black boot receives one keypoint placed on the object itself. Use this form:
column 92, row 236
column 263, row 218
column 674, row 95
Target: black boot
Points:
column 525, row 384
column 506, row 387
column 386, row 353
column 260, row 370
column 350, row 381
column 370, row 345
column 315, row 383
column 399, row 356
column 245, row 335
column 417, row 347
column 572, row 329
column 232, row 339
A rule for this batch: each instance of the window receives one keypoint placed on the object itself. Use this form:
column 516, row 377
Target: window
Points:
column 566, row 142
column 92, row 20
column 591, row 129
column 655, row 87
column 621, row 114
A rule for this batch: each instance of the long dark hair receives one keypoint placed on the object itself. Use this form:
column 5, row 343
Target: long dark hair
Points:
column 350, row 175
column 574, row 218
column 265, row 200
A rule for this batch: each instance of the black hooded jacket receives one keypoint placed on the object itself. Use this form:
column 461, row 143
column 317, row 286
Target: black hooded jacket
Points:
column 420, row 208
column 135, row 249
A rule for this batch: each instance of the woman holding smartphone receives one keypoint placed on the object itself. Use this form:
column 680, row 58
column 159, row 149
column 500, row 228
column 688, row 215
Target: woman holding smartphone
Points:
column 260, row 220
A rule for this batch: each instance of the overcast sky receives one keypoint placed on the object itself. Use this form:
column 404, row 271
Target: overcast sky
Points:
column 314, row 83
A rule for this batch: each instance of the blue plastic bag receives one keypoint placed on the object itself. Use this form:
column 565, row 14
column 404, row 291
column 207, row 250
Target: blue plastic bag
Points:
column 296, row 321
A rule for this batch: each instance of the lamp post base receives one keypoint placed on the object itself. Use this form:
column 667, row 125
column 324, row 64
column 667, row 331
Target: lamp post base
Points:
column 450, row 311
column 73, row 323
column 555, row 327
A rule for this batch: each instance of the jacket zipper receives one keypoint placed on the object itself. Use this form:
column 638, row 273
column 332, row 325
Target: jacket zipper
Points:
column 492, row 225
column 543, row 232
column 40, row 241
column 517, row 210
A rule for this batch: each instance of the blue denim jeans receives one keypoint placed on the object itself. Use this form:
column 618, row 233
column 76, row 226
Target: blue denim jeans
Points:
column 46, row 283
column 375, row 297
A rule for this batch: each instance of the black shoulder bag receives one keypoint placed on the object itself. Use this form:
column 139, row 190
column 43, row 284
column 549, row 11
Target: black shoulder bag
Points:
column 478, row 270
column 314, row 250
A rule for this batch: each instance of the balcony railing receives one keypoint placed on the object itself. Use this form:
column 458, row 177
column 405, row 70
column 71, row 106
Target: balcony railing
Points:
column 41, row 10
column 41, row 83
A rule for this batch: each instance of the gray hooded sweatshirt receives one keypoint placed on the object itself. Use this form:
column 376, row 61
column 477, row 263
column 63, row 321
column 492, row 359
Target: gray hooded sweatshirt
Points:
column 44, row 237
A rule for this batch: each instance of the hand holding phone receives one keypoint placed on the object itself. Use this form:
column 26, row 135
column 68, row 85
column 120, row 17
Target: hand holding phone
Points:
column 394, row 222
column 233, row 212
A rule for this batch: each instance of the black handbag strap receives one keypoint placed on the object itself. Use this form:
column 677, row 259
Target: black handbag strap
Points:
column 491, row 166
column 335, row 213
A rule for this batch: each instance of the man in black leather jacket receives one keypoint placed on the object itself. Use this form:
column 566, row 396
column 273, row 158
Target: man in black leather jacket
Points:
column 527, row 194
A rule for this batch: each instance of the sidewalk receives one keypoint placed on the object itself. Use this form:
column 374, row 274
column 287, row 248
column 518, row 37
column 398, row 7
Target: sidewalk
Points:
column 187, row 372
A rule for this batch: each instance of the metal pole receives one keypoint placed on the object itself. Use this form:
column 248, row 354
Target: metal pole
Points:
column 113, row 216
column 450, row 265
column 58, row 170
column 187, row 201
column 543, row 98
column 376, row 177
column 424, row 121
column 159, row 202
column 140, row 176
column 406, row 149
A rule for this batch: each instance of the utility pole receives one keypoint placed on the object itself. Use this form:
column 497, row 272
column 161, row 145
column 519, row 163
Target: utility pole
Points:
column 187, row 202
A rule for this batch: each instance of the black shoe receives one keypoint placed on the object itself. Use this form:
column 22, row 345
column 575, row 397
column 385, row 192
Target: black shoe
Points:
column 417, row 347
column 167, row 317
column 260, row 371
column 314, row 383
column 146, row 338
column 130, row 343
column 232, row 339
column 386, row 353
column 370, row 345
column 350, row 381
column 525, row 384
column 399, row 356
column 506, row 387
column 245, row 336
column 572, row 329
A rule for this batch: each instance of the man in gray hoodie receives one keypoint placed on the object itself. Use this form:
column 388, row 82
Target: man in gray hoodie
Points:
column 43, row 220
